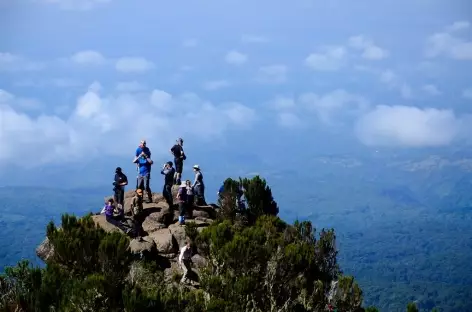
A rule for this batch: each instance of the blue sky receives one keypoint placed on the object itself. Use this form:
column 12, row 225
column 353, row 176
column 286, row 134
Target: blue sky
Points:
column 86, row 80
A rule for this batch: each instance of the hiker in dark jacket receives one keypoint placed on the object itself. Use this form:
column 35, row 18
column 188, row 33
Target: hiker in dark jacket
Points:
column 190, row 198
column 168, row 171
column 121, row 180
column 179, row 156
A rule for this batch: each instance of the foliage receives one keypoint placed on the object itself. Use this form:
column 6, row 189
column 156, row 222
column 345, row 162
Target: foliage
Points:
column 272, row 266
column 257, row 263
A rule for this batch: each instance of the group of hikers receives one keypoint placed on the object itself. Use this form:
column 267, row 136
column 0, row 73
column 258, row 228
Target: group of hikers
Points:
column 188, row 195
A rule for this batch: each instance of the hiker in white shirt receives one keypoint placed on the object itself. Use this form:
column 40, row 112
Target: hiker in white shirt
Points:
column 185, row 260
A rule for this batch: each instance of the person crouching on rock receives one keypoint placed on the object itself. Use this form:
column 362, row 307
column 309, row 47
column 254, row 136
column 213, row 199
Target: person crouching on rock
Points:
column 185, row 260
column 182, row 200
column 108, row 210
column 137, row 204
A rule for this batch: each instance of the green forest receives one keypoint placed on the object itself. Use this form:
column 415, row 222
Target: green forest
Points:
column 254, row 262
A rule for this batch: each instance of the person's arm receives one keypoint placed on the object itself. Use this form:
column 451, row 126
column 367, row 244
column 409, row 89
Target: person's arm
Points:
column 196, row 179
column 165, row 171
column 103, row 210
column 181, row 254
column 125, row 180
column 138, row 152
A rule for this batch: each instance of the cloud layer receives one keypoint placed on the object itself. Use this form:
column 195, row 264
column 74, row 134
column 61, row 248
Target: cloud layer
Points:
column 108, row 125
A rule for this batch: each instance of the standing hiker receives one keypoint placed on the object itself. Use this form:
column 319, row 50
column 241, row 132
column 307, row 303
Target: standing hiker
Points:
column 185, row 260
column 137, row 204
column 144, row 162
column 190, row 198
column 121, row 180
column 182, row 200
column 168, row 171
column 179, row 156
column 199, row 186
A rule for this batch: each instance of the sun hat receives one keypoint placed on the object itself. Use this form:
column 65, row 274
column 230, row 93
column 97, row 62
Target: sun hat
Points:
column 196, row 167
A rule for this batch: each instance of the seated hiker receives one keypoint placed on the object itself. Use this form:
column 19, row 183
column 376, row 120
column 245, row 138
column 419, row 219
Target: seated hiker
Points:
column 182, row 200
column 144, row 163
column 199, row 186
column 137, row 204
column 185, row 260
column 168, row 171
column 121, row 180
column 190, row 198
column 179, row 156
column 109, row 210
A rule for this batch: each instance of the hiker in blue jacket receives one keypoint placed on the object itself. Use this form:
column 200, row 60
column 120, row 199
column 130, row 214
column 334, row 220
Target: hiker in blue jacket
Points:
column 144, row 163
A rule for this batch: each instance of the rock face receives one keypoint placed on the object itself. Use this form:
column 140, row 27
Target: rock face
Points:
column 163, row 236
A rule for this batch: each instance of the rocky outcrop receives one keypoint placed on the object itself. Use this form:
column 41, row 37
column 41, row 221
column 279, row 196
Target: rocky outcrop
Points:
column 163, row 236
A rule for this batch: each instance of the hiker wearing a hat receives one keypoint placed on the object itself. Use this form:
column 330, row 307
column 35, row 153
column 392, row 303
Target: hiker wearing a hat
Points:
column 137, row 205
column 121, row 180
column 182, row 200
column 168, row 171
column 179, row 156
column 199, row 186
column 144, row 162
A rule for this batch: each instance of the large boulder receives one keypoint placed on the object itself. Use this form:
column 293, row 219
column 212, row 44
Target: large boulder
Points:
column 145, row 245
column 178, row 232
column 159, row 213
column 45, row 250
column 165, row 241
column 101, row 221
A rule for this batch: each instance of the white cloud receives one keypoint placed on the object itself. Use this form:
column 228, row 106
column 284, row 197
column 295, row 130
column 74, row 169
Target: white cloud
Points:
column 190, row 43
column 406, row 92
column 129, row 86
column 467, row 93
column 235, row 58
column 97, row 120
column 12, row 62
column 215, row 85
column 133, row 65
column 27, row 104
column 431, row 89
column 253, row 39
column 407, row 126
column 330, row 58
column 370, row 51
column 392, row 80
column 447, row 44
column 88, row 57
column 272, row 74
column 328, row 109
column 459, row 25
column 80, row 5
column 289, row 120
column 281, row 103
